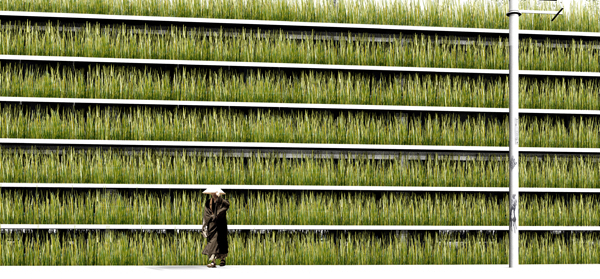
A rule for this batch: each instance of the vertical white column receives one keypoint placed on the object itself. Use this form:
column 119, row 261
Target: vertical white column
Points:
column 513, row 145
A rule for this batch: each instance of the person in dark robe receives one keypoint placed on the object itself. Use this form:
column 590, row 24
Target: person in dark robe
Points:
column 214, row 227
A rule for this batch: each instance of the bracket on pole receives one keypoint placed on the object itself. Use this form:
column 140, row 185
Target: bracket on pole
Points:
column 556, row 14
column 561, row 9
column 513, row 12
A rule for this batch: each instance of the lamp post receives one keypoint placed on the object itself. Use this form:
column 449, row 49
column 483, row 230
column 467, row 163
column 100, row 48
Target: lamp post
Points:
column 513, row 115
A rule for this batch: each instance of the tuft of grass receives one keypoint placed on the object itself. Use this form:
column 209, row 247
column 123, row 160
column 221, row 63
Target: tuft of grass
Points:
column 114, row 82
column 151, row 167
column 142, row 123
column 582, row 15
column 119, row 248
column 256, row 46
column 285, row 208
column 253, row 126
column 294, row 248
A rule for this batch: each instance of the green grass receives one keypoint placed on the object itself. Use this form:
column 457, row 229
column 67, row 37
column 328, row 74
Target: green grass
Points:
column 113, row 82
column 291, row 127
column 96, row 166
column 422, row 51
column 184, row 248
column 294, row 248
column 255, row 126
column 285, row 208
column 583, row 15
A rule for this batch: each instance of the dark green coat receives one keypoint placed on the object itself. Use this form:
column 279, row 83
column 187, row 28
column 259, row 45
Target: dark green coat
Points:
column 214, row 222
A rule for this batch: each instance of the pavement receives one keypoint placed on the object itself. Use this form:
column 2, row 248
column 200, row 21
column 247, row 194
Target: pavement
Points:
column 304, row 271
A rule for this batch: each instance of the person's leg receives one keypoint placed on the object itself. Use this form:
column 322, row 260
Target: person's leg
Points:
column 212, row 261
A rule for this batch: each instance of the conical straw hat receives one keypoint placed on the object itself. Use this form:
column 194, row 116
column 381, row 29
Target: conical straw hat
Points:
column 214, row 190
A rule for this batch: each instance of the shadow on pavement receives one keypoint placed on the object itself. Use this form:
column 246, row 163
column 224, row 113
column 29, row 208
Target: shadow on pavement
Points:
column 177, row 267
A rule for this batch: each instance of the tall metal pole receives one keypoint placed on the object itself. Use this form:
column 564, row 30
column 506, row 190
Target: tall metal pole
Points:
column 513, row 145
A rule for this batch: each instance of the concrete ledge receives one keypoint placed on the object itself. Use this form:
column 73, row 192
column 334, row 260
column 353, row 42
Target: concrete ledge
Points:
column 436, row 189
column 295, row 228
column 303, row 271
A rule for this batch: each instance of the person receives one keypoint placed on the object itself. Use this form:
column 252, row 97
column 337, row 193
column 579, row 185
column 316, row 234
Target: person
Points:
column 214, row 227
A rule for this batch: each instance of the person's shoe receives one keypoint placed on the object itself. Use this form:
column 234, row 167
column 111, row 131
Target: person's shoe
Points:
column 222, row 263
column 211, row 265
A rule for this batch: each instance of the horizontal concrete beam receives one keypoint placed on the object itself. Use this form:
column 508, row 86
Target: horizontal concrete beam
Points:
column 294, row 228
column 435, row 189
